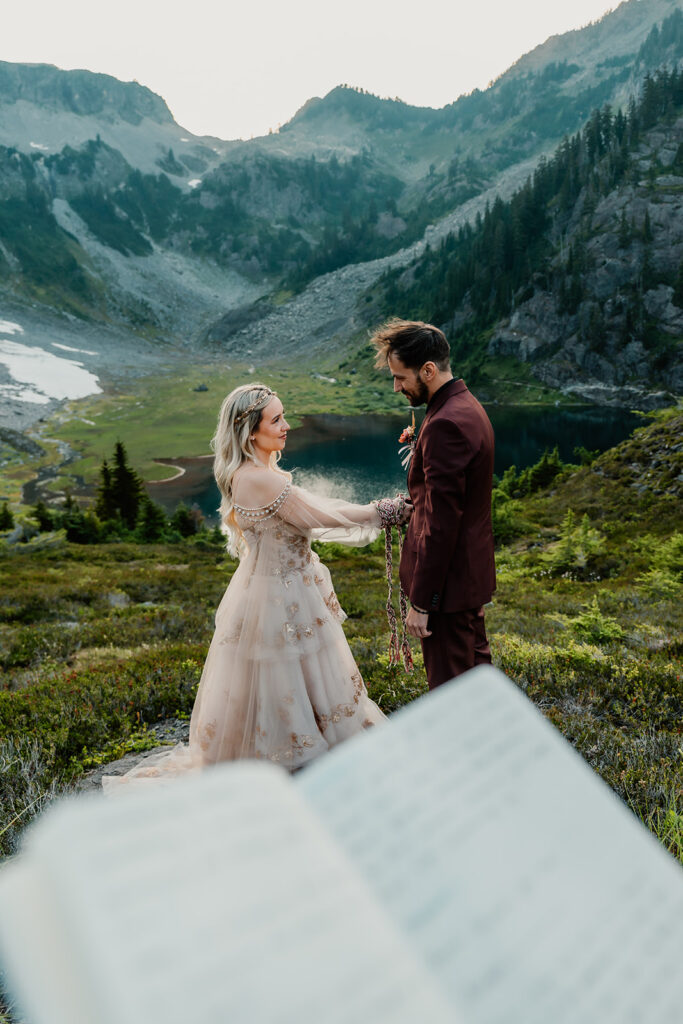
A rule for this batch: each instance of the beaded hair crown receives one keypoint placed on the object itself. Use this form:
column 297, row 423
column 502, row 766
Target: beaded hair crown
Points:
column 262, row 394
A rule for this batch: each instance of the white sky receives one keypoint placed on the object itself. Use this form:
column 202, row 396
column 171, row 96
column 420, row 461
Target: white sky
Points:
column 239, row 67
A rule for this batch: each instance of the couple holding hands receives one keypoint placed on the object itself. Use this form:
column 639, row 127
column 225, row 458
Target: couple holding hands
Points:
column 280, row 682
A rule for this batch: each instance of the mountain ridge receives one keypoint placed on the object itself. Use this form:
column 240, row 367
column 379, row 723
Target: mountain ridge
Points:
column 81, row 91
column 173, row 237
column 580, row 273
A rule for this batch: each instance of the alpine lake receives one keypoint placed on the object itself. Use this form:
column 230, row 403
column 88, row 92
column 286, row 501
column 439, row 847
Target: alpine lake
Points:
column 357, row 457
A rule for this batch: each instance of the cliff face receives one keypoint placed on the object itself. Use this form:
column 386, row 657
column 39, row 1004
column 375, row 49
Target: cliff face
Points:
column 43, row 109
column 628, row 323
column 81, row 92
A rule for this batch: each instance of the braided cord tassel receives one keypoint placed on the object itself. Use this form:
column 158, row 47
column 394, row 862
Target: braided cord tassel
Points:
column 408, row 663
column 394, row 655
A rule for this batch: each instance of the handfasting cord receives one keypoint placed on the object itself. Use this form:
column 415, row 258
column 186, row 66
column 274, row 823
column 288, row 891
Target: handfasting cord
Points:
column 391, row 513
column 391, row 614
column 403, row 605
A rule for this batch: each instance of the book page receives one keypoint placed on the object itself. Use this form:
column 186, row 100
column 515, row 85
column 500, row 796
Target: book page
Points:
column 216, row 898
column 528, row 888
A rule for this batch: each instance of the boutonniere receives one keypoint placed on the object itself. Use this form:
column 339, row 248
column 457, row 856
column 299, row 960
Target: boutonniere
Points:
column 408, row 440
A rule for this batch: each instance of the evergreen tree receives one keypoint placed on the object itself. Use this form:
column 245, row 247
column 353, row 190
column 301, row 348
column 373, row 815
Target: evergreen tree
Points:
column 151, row 521
column 647, row 228
column 43, row 517
column 184, row 521
column 6, row 517
column 565, row 553
column 126, row 487
column 544, row 471
column 624, row 230
column 678, row 287
column 595, row 332
column 105, row 505
column 81, row 527
column 648, row 277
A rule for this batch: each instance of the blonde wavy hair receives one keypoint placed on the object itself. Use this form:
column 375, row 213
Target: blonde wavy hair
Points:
column 238, row 419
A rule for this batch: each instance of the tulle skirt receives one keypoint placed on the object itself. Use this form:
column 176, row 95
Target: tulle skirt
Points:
column 279, row 682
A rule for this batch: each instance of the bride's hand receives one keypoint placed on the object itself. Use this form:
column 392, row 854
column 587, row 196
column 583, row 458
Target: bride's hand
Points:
column 393, row 511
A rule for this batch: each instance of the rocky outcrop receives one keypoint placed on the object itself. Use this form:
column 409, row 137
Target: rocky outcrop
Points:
column 168, row 733
column 81, row 92
column 622, row 342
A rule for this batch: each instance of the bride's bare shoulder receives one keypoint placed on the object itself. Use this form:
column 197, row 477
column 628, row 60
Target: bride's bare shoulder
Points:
column 255, row 486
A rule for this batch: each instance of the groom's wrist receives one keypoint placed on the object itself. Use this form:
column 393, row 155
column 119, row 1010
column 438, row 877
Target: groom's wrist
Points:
column 420, row 611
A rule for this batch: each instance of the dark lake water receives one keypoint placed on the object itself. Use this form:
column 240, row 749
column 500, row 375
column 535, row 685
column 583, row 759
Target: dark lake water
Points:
column 356, row 457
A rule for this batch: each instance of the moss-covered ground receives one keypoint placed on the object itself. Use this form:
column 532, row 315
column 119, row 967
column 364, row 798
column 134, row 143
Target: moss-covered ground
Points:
column 99, row 642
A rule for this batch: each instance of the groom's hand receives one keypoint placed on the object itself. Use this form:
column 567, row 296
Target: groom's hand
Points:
column 407, row 512
column 416, row 623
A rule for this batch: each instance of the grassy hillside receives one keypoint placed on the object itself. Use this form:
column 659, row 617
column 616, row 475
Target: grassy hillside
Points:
column 101, row 643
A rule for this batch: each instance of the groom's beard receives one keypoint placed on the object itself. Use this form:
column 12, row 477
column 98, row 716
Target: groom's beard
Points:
column 418, row 395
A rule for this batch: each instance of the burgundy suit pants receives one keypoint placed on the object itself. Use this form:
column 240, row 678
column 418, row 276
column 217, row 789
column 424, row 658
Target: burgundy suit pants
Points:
column 458, row 643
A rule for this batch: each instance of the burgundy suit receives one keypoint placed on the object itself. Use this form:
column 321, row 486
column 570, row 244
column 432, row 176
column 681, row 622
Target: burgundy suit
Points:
column 447, row 566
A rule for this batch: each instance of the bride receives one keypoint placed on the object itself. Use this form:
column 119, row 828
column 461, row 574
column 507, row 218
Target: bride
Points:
column 279, row 682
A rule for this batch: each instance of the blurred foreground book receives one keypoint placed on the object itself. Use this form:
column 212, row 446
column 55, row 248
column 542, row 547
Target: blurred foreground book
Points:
column 461, row 863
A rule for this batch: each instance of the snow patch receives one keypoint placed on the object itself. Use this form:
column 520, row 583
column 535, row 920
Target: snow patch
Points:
column 7, row 327
column 194, row 182
column 46, row 375
column 22, row 394
column 68, row 348
column 40, row 146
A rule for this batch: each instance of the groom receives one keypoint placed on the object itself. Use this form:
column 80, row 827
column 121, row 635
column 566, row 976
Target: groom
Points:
column 447, row 566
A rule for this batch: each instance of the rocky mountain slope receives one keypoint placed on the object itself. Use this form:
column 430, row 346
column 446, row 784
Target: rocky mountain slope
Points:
column 135, row 223
column 43, row 108
column 548, row 92
column 583, row 264
column 351, row 177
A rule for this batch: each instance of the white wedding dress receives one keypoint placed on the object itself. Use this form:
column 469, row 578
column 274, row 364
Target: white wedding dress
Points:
column 279, row 681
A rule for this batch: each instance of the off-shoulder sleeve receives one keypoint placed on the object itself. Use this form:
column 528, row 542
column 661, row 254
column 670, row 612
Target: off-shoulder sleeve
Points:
column 263, row 495
column 330, row 519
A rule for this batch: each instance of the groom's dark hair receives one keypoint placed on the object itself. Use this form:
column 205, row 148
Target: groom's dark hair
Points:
column 413, row 342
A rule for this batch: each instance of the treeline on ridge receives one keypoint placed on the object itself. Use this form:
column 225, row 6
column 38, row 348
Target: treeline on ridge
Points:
column 486, row 269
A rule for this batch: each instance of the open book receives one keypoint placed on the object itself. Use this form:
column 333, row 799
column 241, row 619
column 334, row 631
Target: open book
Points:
column 460, row 863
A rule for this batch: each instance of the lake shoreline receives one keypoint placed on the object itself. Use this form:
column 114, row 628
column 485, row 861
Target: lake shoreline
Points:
column 356, row 457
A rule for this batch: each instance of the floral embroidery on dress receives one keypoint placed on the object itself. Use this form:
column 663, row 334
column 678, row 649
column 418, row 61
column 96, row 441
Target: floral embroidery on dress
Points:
column 207, row 734
column 303, row 675
column 335, row 715
column 297, row 745
column 294, row 631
